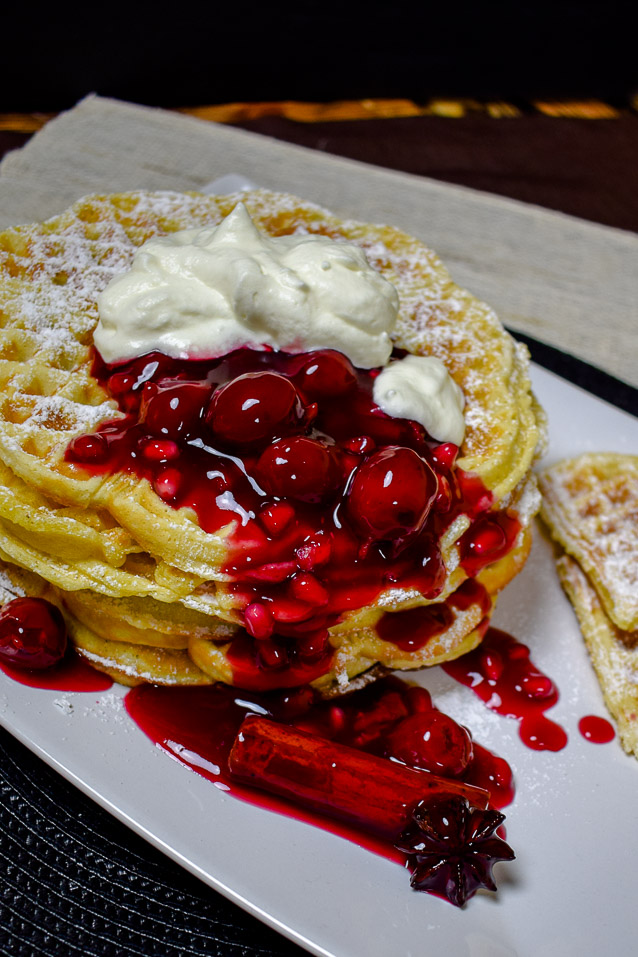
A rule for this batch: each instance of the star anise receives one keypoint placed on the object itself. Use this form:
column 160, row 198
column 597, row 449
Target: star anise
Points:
column 453, row 848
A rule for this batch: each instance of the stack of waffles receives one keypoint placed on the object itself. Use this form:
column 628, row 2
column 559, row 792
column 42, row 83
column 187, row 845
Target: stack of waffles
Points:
column 151, row 592
column 590, row 505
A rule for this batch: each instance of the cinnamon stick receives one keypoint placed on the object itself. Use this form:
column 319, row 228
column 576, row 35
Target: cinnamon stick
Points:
column 370, row 792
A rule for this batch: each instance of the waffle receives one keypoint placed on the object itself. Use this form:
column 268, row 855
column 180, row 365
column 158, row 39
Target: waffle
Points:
column 590, row 505
column 143, row 585
column 613, row 652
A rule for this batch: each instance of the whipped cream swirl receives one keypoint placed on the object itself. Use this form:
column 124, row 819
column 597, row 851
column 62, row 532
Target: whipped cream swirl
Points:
column 200, row 293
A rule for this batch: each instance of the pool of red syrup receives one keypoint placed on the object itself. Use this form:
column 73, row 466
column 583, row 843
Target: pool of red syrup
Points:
column 198, row 726
column 501, row 673
column 71, row 674
column 306, row 569
column 596, row 729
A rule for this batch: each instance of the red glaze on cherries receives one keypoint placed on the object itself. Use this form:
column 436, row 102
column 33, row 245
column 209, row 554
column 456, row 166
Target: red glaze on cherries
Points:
column 292, row 452
column 325, row 375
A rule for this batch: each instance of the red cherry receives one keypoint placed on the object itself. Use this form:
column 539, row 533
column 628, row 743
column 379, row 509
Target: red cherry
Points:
column 432, row 741
column 299, row 468
column 32, row 633
column 91, row 449
column 167, row 483
column 381, row 428
column 488, row 538
column 127, row 384
column 372, row 724
column 123, row 387
column 336, row 719
column 444, row 496
column 305, row 587
column 270, row 572
column 294, row 703
column 391, row 494
column 159, row 450
column 288, row 611
column 120, row 383
column 255, row 408
column 272, row 655
column 492, row 664
column 276, row 517
column 419, row 699
column 444, row 456
column 325, row 374
column 258, row 620
column 174, row 411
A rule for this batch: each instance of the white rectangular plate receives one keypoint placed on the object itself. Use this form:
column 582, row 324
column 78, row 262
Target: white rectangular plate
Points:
column 574, row 824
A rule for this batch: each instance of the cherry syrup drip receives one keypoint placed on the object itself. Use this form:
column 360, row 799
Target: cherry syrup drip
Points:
column 71, row 674
column 331, row 500
column 412, row 629
column 596, row 729
column 500, row 672
column 198, row 726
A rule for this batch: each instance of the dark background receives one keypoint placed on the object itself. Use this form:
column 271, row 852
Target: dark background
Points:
column 195, row 53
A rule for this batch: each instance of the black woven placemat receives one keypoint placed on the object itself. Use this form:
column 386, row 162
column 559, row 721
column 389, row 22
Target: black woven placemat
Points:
column 75, row 881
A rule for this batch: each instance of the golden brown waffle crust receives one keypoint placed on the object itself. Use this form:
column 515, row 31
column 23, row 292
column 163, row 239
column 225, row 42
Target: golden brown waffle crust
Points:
column 590, row 504
column 614, row 653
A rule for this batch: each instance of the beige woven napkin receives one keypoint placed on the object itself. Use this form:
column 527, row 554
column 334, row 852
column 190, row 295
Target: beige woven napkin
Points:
column 571, row 283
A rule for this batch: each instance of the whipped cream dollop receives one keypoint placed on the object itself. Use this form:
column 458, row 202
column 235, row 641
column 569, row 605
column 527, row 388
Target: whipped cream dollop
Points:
column 200, row 293
column 421, row 388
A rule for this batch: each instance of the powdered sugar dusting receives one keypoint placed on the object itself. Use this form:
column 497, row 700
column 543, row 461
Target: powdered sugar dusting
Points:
column 60, row 409
column 591, row 504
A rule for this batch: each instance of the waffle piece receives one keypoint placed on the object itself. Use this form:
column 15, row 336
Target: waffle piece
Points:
column 590, row 504
column 614, row 653
column 144, row 577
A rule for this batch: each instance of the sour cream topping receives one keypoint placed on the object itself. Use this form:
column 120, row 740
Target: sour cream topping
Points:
column 421, row 388
column 200, row 293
